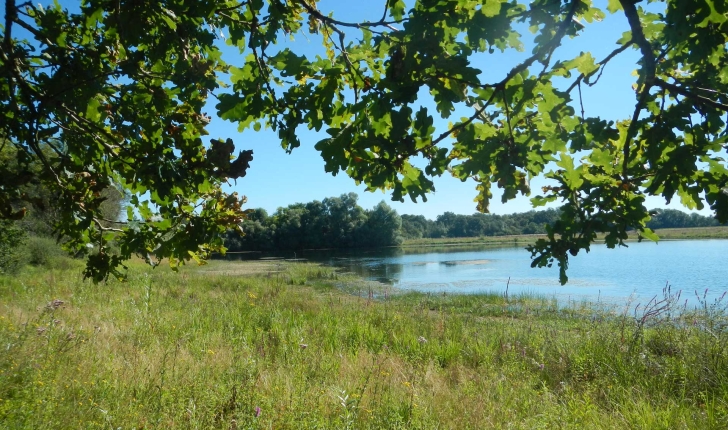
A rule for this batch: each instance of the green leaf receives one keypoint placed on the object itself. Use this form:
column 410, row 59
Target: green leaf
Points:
column 571, row 174
column 585, row 63
column 61, row 39
column 649, row 234
column 491, row 8
column 600, row 157
column 195, row 256
column 289, row 63
column 92, row 110
column 397, row 8
column 542, row 201
column 613, row 6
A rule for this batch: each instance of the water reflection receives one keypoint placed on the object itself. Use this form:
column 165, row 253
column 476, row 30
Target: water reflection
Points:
column 639, row 271
column 372, row 269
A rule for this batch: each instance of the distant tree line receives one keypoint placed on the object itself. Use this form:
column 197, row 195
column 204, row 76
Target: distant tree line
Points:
column 531, row 222
column 336, row 222
column 454, row 225
column 671, row 218
column 339, row 222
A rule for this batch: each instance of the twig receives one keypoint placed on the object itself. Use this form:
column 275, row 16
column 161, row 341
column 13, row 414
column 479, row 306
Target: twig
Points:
column 648, row 77
column 102, row 228
column 638, row 37
column 10, row 14
column 581, row 104
column 602, row 64
column 225, row 9
column 508, row 114
column 345, row 54
column 684, row 92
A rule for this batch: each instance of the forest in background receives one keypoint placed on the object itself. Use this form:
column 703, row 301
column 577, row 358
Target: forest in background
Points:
column 335, row 222
column 339, row 222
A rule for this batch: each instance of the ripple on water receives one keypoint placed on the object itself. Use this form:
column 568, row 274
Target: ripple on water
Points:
column 465, row 262
column 424, row 286
column 551, row 282
column 478, row 284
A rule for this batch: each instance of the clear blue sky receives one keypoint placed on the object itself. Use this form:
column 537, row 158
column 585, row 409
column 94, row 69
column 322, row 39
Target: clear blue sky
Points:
column 278, row 179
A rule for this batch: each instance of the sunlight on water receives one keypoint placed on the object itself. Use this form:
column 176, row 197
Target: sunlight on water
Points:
column 635, row 273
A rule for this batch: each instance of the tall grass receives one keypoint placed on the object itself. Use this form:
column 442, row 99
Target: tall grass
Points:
column 287, row 348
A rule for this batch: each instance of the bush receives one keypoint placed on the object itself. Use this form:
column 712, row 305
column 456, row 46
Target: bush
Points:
column 11, row 250
column 44, row 251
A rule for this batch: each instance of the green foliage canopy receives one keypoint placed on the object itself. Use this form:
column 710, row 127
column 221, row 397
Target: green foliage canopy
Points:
column 118, row 90
column 449, row 224
column 334, row 223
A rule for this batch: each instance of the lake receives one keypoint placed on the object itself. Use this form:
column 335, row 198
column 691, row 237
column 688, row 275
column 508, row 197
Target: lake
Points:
column 639, row 271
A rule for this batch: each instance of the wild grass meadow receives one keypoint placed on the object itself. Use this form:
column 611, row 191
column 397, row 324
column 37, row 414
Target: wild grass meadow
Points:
column 291, row 345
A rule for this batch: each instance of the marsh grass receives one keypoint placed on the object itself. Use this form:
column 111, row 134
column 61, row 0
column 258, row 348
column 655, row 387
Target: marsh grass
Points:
column 284, row 347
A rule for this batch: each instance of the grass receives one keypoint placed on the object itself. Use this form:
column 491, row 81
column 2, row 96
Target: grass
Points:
column 285, row 345
column 694, row 233
column 528, row 239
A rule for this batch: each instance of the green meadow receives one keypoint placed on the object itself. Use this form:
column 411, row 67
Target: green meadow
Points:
column 291, row 345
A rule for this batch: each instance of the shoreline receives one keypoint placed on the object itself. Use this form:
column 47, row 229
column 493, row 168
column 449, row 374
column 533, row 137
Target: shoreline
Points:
column 693, row 233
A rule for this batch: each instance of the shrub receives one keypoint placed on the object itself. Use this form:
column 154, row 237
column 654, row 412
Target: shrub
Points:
column 11, row 241
column 44, row 251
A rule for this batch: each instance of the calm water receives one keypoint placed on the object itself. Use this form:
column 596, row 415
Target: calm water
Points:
column 641, row 270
